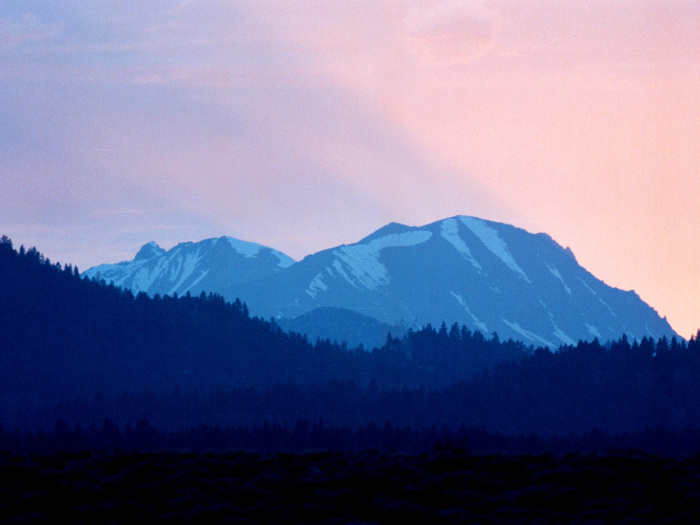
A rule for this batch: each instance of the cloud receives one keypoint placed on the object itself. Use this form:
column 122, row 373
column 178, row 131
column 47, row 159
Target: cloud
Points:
column 110, row 39
column 250, row 115
column 265, row 44
column 375, row 47
column 449, row 34
column 18, row 30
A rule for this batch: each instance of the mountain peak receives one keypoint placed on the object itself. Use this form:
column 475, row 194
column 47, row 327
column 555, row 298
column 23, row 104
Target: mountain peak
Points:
column 210, row 265
column 251, row 249
column 245, row 248
column 149, row 251
column 570, row 253
column 389, row 229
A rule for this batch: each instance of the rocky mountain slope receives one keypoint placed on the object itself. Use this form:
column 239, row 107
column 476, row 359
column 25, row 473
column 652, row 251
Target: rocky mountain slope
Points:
column 207, row 266
column 489, row 276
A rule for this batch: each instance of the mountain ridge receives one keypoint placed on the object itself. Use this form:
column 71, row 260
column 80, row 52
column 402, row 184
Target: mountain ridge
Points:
column 489, row 276
column 193, row 267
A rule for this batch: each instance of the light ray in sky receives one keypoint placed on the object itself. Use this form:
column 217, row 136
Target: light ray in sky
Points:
column 304, row 125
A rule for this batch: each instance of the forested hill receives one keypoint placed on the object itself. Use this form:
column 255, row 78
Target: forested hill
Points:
column 63, row 336
column 84, row 351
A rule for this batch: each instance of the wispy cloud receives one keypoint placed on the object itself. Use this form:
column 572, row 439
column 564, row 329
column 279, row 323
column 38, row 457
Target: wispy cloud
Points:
column 268, row 118
column 18, row 30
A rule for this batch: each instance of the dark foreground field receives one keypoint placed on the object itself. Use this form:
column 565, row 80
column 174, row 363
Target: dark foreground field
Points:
column 443, row 486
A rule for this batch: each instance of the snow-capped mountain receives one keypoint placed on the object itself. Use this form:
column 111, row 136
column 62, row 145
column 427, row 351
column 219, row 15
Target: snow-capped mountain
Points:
column 489, row 276
column 210, row 266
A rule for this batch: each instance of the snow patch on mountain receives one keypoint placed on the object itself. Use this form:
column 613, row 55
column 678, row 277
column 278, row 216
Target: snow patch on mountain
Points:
column 316, row 285
column 529, row 335
column 593, row 331
column 560, row 334
column 247, row 249
column 480, row 325
column 553, row 270
column 493, row 241
column 251, row 249
column 185, row 269
column 599, row 299
column 586, row 285
column 450, row 231
column 144, row 279
column 608, row 307
column 339, row 269
column 285, row 260
column 362, row 260
column 116, row 274
column 196, row 281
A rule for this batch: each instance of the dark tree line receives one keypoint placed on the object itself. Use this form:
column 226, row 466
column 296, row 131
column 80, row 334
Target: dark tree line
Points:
column 616, row 388
column 619, row 387
column 81, row 351
column 62, row 336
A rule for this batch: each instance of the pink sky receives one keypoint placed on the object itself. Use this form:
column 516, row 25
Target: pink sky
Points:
column 304, row 125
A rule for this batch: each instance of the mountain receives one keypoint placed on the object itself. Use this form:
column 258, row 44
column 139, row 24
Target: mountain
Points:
column 489, row 276
column 207, row 266
column 342, row 325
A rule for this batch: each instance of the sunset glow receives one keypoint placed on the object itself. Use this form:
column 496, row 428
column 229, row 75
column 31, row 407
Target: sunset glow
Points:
column 305, row 125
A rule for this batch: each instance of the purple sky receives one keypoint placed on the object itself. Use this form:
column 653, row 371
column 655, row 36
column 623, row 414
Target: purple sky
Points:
column 304, row 125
